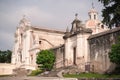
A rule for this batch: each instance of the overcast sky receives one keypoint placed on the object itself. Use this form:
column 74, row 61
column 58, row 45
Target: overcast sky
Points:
column 51, row 14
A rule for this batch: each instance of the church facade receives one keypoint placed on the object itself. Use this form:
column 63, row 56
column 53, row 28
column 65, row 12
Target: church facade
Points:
column 72, row 47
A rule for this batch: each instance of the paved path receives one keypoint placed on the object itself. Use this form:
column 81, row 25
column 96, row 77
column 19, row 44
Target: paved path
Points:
column 35, row 78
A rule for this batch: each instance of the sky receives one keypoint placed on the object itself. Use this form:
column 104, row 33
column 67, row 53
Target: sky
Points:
column 51, row 14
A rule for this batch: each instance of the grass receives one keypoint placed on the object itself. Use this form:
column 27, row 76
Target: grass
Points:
column 91, row 75
column 5, row 75
column 35, row 72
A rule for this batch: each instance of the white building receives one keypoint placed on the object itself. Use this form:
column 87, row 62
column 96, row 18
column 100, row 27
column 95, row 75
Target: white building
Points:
column 29, row 40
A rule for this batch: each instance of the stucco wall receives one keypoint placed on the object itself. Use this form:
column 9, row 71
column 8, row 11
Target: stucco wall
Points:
column 60, row 56
column 6, row 69
column 100, row 45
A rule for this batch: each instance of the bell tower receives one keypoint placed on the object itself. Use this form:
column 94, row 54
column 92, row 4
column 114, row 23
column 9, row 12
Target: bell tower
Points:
column 75, row 24
column 93, row 14
column 93, row 22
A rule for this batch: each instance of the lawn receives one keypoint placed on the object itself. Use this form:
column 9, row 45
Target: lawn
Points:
column 5, row 75
column 35, row 72
column 90, row 75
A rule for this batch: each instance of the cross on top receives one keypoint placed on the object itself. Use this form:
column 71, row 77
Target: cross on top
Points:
column 76, row 15
column 93, row 5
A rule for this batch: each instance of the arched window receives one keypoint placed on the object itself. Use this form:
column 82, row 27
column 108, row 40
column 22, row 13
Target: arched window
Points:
column 94, row 16
column 31, row 58
column 20, row 57
column 39, row 42
column 102, row 26
column 90, row 16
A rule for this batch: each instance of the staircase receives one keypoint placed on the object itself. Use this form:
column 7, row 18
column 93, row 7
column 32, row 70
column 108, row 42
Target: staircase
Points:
column 60, row 71
column 72, row 70
column 20, row 72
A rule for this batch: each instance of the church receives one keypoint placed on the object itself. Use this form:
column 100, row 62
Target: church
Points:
column 81, row 46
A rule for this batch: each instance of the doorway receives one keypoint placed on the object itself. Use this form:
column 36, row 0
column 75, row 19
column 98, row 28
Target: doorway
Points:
column 74, row 56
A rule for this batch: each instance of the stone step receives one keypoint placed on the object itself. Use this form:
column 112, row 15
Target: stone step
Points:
column 58, row 72
column 20, row 72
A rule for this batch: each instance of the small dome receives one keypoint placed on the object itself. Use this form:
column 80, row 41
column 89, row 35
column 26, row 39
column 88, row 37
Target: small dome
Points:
column 91, row 23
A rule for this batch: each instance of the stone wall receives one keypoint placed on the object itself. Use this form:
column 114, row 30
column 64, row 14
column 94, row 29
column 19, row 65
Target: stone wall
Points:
column 60, row 56
column 100, row 46
column 6, row 69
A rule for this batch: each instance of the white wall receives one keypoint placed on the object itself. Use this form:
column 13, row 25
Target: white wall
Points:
column 6, row 69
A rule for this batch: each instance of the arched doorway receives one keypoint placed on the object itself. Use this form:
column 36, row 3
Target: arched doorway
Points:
column 74, row 56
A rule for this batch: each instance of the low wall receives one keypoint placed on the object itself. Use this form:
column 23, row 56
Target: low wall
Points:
column 6, row 69
column 100, row 46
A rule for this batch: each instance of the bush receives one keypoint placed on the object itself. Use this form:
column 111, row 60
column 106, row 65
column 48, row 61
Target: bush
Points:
column 46, row 59
column 114, row 55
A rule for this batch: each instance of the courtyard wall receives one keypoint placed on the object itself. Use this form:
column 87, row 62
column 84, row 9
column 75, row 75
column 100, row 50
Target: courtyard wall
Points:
column 100, row 46
column 6, row 68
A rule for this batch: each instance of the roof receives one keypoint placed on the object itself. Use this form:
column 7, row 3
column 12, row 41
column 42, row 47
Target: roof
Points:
column 92, row 11
column 83, row 30
column 62, row 45
column 105, row 33
column 48, row 30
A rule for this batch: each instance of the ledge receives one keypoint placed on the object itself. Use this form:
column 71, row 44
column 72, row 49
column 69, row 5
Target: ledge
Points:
column 105, row 33
column 48, row 30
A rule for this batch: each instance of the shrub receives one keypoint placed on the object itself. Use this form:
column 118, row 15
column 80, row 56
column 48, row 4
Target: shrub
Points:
column 46, row 59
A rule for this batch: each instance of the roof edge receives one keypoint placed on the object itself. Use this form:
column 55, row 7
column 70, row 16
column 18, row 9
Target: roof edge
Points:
column 47, row 30
column 104, row 33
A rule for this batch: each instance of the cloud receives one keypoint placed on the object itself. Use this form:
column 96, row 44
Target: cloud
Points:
column 53, row 14
column 6, row 41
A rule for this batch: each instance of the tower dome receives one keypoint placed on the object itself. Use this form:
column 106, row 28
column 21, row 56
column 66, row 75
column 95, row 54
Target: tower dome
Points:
column 93, row 22
column 93, row 14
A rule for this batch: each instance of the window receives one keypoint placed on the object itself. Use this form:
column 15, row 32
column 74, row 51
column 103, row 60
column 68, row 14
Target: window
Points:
column 39, row 42
column 90, row 16
column 94, row 16
column 74, row 55
column 102, row 26
column 31, row 58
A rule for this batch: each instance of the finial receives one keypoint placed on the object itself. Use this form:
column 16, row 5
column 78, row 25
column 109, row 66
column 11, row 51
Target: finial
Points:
column 24, row 16
column 76, row 15
column 93, row 5
column 67, row 29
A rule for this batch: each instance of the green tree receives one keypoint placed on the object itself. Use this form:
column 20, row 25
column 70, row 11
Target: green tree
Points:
column 46, row 59
column 114, row 55
column 5, row 56
column 2, row 57
column 8, row 56
column 111, row 12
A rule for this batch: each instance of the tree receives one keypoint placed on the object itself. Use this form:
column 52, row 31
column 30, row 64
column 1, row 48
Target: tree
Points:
column 111, row 12
column 2, row 57
column 8, row 56
column 114, row 55
column 46, row 59
column 5, row 56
